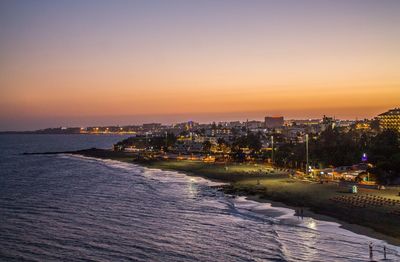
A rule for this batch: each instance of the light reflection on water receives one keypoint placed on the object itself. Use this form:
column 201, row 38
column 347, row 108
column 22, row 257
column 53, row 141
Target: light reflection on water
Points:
column 311, row 223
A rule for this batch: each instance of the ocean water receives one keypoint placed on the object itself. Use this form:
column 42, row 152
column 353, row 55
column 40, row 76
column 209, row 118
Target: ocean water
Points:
column 71, row 208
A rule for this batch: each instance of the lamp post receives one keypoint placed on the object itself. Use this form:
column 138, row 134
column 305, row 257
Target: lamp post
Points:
column 166, row 140
column 272, row 154
column 307, row 154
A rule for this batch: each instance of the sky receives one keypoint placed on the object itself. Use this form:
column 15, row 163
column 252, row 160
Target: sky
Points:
column 93, row 62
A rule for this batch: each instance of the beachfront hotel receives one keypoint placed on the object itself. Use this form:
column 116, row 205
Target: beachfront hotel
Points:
column 390, row 120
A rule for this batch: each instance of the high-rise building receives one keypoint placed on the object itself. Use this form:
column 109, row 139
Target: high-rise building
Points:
column 274, row 121
column 390, row 119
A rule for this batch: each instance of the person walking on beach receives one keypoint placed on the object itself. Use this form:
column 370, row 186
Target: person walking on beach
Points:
column 371, row 254
column 301, row 213
column 384, row 252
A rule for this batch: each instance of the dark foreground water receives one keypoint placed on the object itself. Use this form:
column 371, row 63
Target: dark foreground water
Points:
column 67, row 208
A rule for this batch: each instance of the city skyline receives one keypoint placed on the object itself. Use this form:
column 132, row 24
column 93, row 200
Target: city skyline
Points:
column 171, row 120
column 100, row 63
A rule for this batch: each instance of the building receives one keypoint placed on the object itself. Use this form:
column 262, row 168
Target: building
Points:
column 254, row 124
column 295, row 134
column 328, row 122
column 151, row 126
column 188, row 146
column 363, row 126
column 390, row 120
column 306, row 122
column 216, row 133
column 274, row 121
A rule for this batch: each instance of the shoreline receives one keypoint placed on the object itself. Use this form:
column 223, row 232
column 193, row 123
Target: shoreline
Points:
column 357, row 229
column 236, row 185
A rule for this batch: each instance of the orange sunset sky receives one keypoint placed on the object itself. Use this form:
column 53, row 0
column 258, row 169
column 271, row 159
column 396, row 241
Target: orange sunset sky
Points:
column 80, row 63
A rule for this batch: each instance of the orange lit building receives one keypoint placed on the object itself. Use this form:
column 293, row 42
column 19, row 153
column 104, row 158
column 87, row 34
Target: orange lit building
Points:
column 390, row 120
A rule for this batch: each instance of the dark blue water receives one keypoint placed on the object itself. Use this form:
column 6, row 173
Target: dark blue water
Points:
column 67, row 208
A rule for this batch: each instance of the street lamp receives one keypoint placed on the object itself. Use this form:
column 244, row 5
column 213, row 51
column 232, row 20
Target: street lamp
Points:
column 307, row 166
column 166, row 140
column 272, row 154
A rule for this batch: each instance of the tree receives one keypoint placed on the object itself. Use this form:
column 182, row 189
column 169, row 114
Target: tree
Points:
column 238, row 155
column 207, row 146
column 374, row 124
column 384, row 153
column 253, row 142
column 221, row 141
column 335, row 148
column 184, row 133
column 384, row 145
column 170, row 141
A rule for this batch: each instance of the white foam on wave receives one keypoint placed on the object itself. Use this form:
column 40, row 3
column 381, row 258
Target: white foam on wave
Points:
column 176, row 176
column 161, row 175
column 251, row 205
column 108, row 162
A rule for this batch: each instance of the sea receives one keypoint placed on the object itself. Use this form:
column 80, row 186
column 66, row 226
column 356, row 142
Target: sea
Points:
column 72, row 208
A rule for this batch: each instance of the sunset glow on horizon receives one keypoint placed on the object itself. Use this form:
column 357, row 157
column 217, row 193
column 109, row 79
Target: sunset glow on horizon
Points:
column 78, row 63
